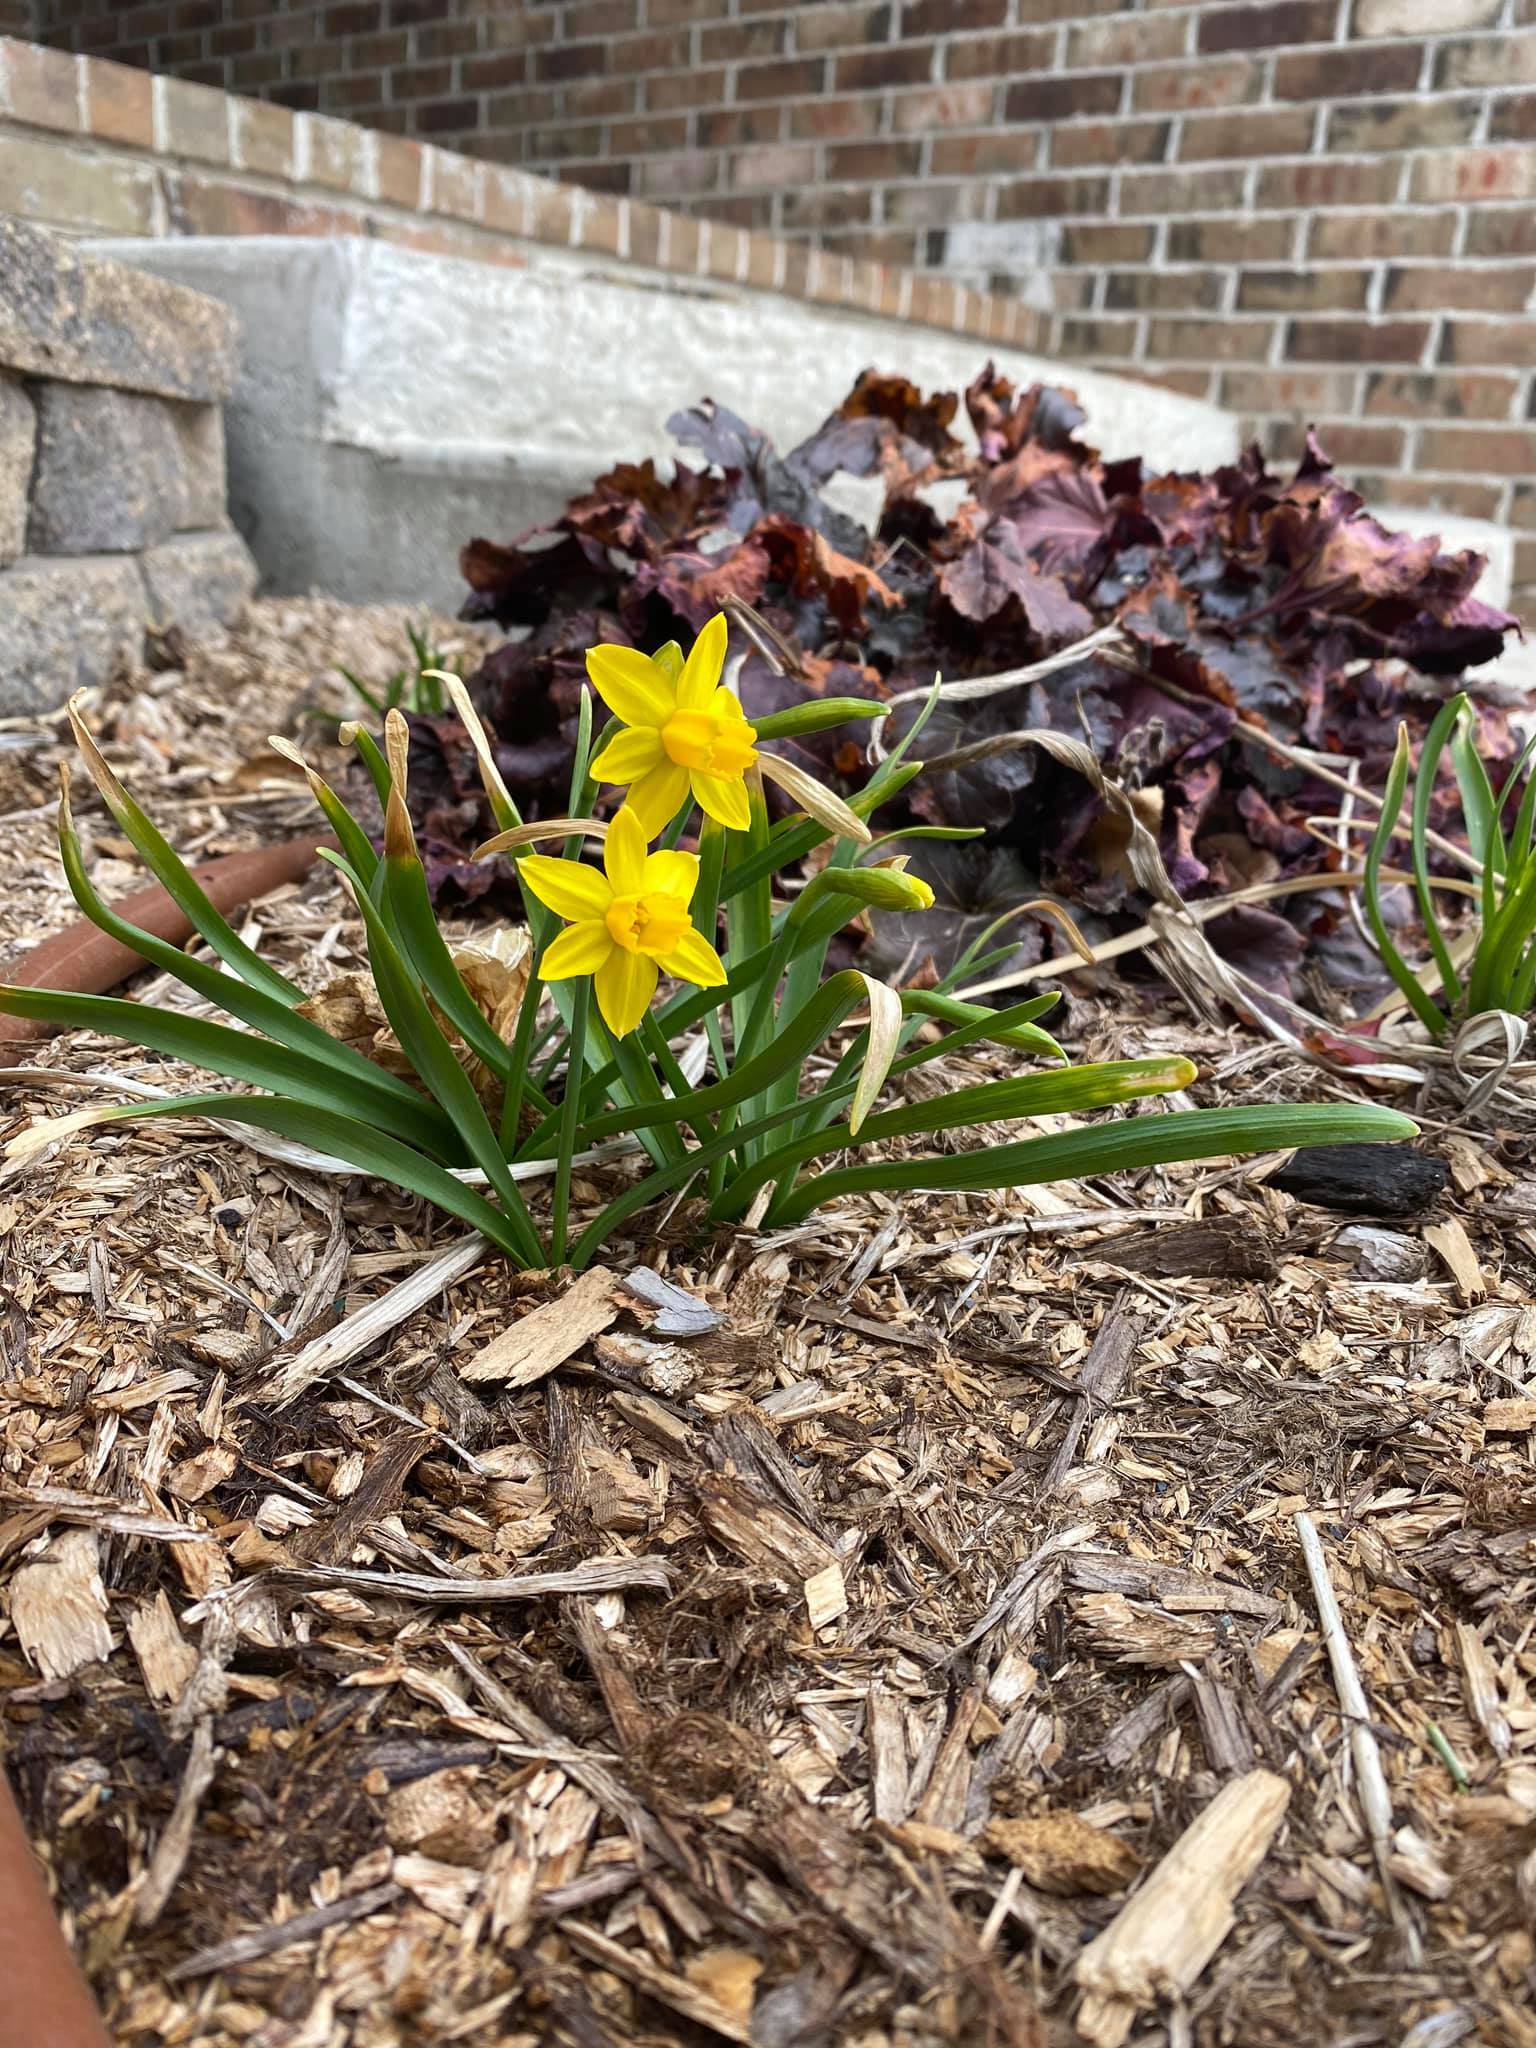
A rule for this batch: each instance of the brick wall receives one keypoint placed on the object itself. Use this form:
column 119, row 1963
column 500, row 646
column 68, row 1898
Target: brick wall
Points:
column 1305, row 209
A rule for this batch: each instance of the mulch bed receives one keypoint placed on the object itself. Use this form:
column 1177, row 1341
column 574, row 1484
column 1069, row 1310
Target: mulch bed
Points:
column 902, row 1588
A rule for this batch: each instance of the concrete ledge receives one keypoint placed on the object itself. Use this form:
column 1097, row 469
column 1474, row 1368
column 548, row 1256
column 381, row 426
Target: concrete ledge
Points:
column 404, row 402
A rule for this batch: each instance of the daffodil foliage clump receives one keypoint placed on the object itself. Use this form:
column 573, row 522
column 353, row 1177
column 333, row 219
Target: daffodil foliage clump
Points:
column 669, row 1001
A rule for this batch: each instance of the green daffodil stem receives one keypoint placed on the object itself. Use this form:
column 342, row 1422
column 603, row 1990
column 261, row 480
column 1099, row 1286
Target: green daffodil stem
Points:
column 570, row 1120
column 522, row 1057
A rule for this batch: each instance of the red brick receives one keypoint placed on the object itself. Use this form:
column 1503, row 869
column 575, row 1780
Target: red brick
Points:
column 1057, row 98
column 867, row 163
column 1463, row 287
column 740, row 124
column 1352, row 442
column 489, row 73
column 1502, row 231
column 1522, row 507
column 1163, row 291
column 647, row 135
column 1489, row 451
column 40, row 87
column 120, row 104
column 834, row 26
column 1332, row 182
column 1191, row 383
column 1504, row 343
column 951, row 17
column 825, row 207
column 579, row 19
column 1112, row 242
column 1421, row 17
column 774, row 165
column 1302, row 291
column 1524, row 573
column 1211, row 341
column 1258, row 131
column 728, row 42
column 1075, row 143
column 1487, row 60
column 1230, row 241
column 1475, row 174
column 830, row 120
column 942, row 106
column 208, row 206
column 1453, row 395
column 1377, row 125
column 965, row 156
column 570, row 60
column 677, row 177
column 591, row 99
column 1381, row 234
column 780, row 81
column 1122, row 42
column 420, row 81
column 436, row 117
column 1172, row 88
column 262, row 137
column 1078, row 337
column 1296, row 391
column 1346, row 74
column 1216, row 189
column 1252, row 27
column 1513, row 119
column 1437, row 494
column 69, row 188
column 458, row 38
column 684, row 89
column 195, row 122
column 354, row 95
column 1356, row 341
column 998, row 56
column 371, row 52
column 1042, row 198
column 888, row 64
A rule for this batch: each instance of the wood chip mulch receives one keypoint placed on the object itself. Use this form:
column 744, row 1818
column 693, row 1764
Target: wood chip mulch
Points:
column 949, row 1622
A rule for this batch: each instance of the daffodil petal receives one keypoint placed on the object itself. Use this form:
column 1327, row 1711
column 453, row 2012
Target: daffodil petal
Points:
column 694, row 959
column 625, row 984
column 659, row 796
column 624, row 852
column 631, row 685
column 701, row 671
column 580, row 949
column 566, row 887
column 674, row 874
column 629, row 756
column 669, row 660
column 725, row 801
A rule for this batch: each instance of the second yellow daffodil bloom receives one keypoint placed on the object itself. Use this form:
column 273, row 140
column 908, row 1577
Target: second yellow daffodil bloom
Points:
column 687, row 733
column 625, row 926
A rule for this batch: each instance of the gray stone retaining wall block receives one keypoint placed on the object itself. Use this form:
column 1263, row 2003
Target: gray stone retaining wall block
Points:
column 90, row 322
column 200, row 429
column 198, row 580
column 67, row 623
column 110, row 475
column 18, row 440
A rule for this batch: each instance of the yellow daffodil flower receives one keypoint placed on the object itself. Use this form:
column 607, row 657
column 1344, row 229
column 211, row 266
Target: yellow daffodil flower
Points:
column 686, row 732
column 626, row 925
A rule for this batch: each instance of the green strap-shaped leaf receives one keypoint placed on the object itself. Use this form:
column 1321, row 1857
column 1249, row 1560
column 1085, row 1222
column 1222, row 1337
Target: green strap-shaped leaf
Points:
column 371, row 1151
column 219, row 1049
column 437, row 1065
column 276, row 1020
column 1422, row 1003
column 1110, row 1148
column 408, row 904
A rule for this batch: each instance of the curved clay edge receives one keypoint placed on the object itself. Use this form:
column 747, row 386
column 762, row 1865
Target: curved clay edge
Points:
column 46, row 1999
column 83, row 961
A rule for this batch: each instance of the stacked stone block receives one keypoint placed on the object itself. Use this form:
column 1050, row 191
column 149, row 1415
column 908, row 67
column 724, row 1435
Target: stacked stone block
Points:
column 112, row 501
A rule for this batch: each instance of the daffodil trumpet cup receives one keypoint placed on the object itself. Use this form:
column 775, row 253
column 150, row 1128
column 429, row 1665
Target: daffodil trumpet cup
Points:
column 673, row 1002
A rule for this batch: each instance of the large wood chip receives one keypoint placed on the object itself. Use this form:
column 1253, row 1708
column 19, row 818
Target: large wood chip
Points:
column 166, row 1658
column 1063, row 1853
column 59, row 1606
column 1158, row 1944
column 548, row 1335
